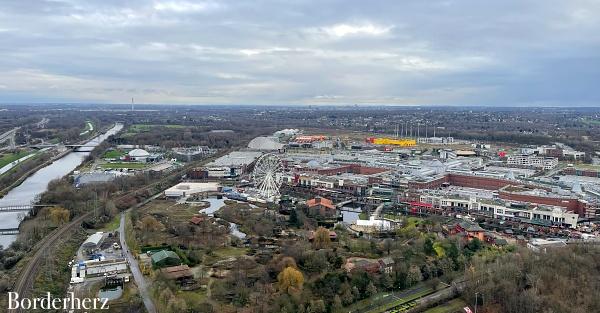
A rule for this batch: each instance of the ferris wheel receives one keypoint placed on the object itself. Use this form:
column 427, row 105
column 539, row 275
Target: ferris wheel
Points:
column 267, row 175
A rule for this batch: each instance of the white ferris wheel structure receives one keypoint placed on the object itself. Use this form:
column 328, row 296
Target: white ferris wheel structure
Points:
column 267, row 175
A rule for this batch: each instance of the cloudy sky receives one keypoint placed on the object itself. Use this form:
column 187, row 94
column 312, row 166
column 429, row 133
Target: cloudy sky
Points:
column 506, row 52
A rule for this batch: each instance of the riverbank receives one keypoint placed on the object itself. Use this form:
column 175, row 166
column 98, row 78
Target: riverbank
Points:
column 27, row 188
column 20, row 180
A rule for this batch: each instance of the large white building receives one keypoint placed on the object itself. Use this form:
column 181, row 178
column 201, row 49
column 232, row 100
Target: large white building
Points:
column 546, row 163
column 532, row 213
column 232, row 164
column 189, row 189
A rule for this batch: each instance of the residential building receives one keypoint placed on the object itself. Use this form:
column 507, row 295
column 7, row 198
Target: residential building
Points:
column 546, row 163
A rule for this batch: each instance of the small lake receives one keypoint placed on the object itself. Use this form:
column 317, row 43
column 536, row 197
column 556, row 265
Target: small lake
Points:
column 215, row 205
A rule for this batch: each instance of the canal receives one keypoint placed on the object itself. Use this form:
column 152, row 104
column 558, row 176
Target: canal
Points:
column 36, row 184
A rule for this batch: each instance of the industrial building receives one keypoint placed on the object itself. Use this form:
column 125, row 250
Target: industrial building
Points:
column 232, row 164
column 189, row 189
column 192, row 153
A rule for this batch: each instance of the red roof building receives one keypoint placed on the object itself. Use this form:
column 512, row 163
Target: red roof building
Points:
column 321, row 206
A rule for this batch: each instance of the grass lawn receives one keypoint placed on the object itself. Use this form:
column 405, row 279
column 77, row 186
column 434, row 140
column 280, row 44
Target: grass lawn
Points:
column 170, row 214
column 196, row 296
column 384, row 301
column 11, row 157
column 114, row 224
column 138, row 128
column 583, row 166
column 393, row 217
column 117, row 165
column 403, row 301
column 223, row 254
column 227, row 252
column 114, row 154
column 452, row 306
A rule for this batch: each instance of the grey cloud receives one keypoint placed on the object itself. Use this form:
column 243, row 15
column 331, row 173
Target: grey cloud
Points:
column 509, row 52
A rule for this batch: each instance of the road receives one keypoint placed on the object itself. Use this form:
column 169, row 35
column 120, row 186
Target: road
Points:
column 135, row 269
column 140, row 281
column 24, row 284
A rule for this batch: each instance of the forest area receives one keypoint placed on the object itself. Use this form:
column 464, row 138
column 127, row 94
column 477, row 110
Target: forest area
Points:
column 560, row 280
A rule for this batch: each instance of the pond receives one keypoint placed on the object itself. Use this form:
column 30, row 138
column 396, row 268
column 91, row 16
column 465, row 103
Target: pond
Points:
column 234, row 228
column 349, row 217
column 214, row 205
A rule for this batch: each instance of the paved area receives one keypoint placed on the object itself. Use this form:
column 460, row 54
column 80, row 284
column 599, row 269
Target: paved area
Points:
column 135, row 270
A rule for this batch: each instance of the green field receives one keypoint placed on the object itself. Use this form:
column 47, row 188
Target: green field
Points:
column 583, row 166
column 88, row 128
column 385, row 301
column 452, row 306
column 118, row 165
column 591, row 122
column 403, row 303
column 10, row 157
column 114, row 154
column 138, row 128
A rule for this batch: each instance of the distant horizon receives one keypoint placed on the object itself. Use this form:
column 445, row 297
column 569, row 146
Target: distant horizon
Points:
column 127, row 106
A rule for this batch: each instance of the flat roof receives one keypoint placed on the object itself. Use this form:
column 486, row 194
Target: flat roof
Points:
column 236, row 158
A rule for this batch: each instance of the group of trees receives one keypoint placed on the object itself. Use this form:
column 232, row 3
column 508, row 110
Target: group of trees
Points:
column 560, row 280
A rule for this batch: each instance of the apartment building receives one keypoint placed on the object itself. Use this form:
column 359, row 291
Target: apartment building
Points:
column 536, row 161
column 522, row 211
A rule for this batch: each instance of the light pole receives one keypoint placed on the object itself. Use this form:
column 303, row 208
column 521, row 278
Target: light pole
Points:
column 477, row 299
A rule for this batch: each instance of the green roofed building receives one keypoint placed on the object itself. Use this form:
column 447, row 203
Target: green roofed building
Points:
column 164, row 258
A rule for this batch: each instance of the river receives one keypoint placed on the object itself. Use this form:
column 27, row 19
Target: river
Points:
column 37, row 183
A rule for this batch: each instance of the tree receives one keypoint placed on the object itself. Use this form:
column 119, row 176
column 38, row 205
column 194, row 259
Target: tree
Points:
column 414, row 275
column 290, row 280
column 473, row 246
column 355, row 293
column 110, row 209
column 295, row 219
column 452, row 251
column 59, row 215
column 428, row 246
column 317, row 306
column 371, row 290
column 387, row 245
column 149, row 225
column 286, row 262
column 386, row 281
column 321, row 239
column 336, row 306
column 347, row 297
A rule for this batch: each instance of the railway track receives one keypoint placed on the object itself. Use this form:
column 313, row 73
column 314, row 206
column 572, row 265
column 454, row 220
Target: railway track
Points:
column 24, row 283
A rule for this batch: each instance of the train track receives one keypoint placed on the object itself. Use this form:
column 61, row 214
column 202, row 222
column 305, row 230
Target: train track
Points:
column 24, row 283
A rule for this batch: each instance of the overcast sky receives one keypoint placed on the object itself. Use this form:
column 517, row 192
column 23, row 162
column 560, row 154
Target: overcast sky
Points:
column 508, row 52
